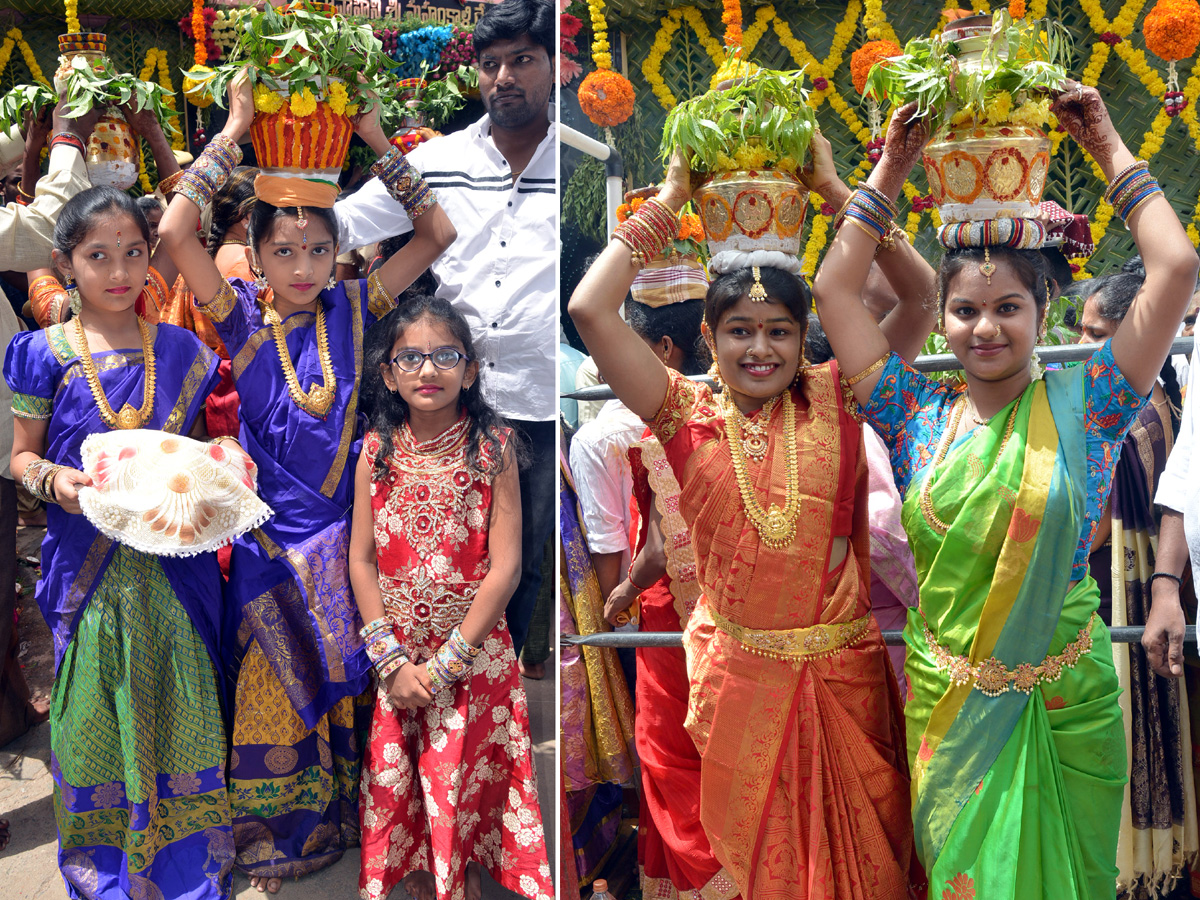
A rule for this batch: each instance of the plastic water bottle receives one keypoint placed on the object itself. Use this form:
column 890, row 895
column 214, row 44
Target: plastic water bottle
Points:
column 600, row 890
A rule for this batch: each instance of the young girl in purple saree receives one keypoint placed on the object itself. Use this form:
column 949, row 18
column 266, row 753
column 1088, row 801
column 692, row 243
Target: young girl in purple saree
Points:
column 137, row 736
column 292, row 623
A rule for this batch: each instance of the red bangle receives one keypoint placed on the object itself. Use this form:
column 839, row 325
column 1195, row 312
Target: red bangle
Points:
column 629, row 578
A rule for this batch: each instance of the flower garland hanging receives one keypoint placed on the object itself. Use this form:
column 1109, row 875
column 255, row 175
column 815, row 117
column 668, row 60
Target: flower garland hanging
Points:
column 1172, row 31
column 15, row 40
column 861, row 62
column 164, row 79
column 606, row 97
column 143, row 175
column 72, row 7
column 731, row 18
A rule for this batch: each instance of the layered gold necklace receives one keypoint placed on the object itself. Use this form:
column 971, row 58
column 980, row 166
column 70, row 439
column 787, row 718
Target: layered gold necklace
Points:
column 320, row 397
column 775, row 526
column 128, row 417
column 927, row 511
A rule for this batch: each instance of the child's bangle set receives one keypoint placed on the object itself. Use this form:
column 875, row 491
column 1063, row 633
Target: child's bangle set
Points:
column 452, row 661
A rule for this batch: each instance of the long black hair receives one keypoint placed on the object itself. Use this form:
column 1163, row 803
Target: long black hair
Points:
column 79, row 215
column 232, row 203
column 389, row 411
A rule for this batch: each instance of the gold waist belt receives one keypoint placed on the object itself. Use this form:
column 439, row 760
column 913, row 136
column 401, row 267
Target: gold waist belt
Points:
column 994, row 678
column 794, row 644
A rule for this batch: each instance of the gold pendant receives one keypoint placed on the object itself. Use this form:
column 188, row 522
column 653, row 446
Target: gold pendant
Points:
column 320, row 398
column 128, row 418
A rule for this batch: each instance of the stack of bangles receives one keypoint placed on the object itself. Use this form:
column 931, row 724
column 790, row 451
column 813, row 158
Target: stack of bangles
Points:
column 70, row 139
column 209, row 173
column 383, row 647
column 168, row 184
column 648, row 231
column 404, row 183
column 871, row 210
column 1131, row 188
column 39, row 479
column 452, row 661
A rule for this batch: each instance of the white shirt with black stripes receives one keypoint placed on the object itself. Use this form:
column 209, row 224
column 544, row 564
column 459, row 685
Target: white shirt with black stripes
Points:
column 500, row 273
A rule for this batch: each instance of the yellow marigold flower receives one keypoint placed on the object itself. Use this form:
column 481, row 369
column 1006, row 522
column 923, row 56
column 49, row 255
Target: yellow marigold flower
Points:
column 336, row 97
column 962, row 116
column 788, row 164
column 266, row 100
column 352, row 109
column 303, row 103
column 997, row 109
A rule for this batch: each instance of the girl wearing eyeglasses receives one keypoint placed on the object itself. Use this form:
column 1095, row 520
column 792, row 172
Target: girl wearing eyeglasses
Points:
column 435, row 554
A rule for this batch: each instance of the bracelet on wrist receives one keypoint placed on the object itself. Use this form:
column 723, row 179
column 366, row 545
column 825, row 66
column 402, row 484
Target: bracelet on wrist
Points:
column 629, row 578
column 1167, row 575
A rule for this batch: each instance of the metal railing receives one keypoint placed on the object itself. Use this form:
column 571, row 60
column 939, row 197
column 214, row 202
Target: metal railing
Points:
column 1124, row 634
column 941, row 362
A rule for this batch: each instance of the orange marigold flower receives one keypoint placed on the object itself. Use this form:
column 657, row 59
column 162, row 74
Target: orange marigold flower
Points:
column 606, row 97
column 1172, row 29
column 1016, row 8
column 731, row 18
column 866, row 56
column 624, row 211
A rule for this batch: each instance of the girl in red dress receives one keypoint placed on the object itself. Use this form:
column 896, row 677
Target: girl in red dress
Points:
column 435, row 553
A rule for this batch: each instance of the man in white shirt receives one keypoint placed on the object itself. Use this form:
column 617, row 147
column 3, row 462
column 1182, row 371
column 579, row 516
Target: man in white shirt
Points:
column 497, row 180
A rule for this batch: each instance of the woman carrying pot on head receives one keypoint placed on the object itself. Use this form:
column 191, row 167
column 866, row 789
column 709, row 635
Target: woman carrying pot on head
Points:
column 793, row 704
column 1014, row 732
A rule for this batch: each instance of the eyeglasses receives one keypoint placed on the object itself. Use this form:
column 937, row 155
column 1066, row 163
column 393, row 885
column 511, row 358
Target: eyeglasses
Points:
column 442, row 358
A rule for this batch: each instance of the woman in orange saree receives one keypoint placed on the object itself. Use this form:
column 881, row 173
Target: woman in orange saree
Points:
column 792, row 703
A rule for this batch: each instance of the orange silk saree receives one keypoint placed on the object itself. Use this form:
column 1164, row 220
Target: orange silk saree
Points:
column 793, row 704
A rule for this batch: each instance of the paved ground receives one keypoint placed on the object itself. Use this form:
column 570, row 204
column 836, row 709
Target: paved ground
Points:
column 28, row 869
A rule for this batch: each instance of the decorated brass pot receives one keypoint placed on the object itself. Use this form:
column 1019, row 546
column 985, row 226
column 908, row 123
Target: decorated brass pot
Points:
column 978, row 173
column 112, row 152
column 747, row 210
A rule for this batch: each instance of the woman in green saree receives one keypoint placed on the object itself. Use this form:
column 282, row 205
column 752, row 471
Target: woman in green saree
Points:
column 1014, row 731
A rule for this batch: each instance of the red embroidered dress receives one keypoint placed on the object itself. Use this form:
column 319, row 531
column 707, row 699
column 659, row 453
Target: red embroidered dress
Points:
column 454, row 781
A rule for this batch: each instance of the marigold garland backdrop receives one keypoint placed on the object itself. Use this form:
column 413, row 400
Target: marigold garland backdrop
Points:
column 670, row 51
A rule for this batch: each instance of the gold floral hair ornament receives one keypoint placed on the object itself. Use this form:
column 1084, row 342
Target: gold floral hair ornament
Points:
column 758, row 293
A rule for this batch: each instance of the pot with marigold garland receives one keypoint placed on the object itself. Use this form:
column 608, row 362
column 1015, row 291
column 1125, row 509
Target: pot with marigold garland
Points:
column 304, row 64
column 748, row 142
column 985, row 84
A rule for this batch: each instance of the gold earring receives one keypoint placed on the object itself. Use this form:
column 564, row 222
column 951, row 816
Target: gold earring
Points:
column 758, row 293
column 332, row 280
column 714, row 372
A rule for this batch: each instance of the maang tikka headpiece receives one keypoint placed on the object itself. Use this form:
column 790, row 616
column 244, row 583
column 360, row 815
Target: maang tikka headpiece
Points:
column 758, row 293
column 987, row 268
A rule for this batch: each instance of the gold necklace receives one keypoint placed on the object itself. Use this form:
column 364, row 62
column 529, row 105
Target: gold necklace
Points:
column 927, row 510
column 775, row 526
column 754, row 431
column 320, row 397
column 128, row 417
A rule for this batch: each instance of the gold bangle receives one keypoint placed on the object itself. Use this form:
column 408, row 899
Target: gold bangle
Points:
column 21, row 191
column 869, row 370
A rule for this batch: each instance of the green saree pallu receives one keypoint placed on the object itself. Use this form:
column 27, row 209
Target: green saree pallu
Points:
column 1014, row 731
